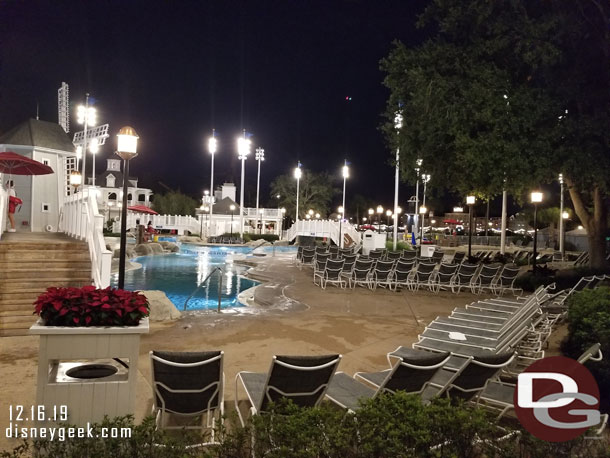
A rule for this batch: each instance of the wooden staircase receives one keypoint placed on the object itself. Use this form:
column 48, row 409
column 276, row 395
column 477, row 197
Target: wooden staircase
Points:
column 29, row 264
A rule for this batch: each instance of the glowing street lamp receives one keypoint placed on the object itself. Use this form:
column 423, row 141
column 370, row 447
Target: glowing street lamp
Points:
column 87, row 116
column 535, row 198
column 243, row 149
column 297, row 175
column 94, row 147
column 212, row 148
column 458, row 209
column 379, row 212
column 283, row 212
column 397, row 126
column 422, row 212
column 76, row 179
column 470, row 200
column 317, row 216
column 371, row 213
column 345, row 173
column 259, row 156
column 127, row 146
column 388, row 213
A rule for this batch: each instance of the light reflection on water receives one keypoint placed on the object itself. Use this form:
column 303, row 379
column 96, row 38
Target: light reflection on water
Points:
column 179, row 274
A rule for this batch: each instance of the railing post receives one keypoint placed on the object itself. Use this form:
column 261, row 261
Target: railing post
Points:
column 219, row 289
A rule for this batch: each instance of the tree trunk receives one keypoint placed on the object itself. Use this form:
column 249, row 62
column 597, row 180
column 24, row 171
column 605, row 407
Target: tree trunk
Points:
column 595, row 223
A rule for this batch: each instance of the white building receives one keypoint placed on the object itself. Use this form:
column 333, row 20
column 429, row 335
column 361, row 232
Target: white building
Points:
column 269, row 220
column 110, row 186
column 42, row 195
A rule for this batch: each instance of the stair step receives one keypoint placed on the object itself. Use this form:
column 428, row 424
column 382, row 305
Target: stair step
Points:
column 5, row 321
column 25, row 331
column 10, row 246
column 45, row 255
column 23, row 324
column 16, row 309
column 23, row 294
column 15, row 286
column 43, row 273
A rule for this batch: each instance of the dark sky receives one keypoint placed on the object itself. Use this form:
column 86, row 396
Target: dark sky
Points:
column 176, row 69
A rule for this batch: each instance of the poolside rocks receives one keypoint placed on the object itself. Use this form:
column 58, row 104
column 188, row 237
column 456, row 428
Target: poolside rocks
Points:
column 155, row 247
column 130, row 252
column 144, row 249
column 161, row 308
column 170, row 247
column 190, row 239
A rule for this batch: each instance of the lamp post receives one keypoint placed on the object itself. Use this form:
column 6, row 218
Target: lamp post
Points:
column 397, row 126
column 388, row 213
column 94, row 147
column 127, row 145
column 261, row 212
column 397, row 219
column 470, row 200
column 424, row 178
column 243, row 149
column 536, row 198
column 341, row 213
column 86, row 115
column 371, row 213
column 297, row 175
column 204, row 209
column 379, row 212
column 345, row 173
column 76, row 179
column 561, row 226
column 422, row 212
column 259, row 156
column 212, row 147
column 232, row 208
column 416, row 216
column 283, row 212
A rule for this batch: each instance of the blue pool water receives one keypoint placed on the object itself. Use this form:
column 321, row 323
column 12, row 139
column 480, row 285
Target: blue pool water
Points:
column 179, row 274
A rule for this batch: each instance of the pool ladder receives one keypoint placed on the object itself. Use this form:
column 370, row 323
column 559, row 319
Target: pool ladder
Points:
column 203, row 283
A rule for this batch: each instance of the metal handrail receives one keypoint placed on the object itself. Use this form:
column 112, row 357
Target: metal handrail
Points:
column 203, row 283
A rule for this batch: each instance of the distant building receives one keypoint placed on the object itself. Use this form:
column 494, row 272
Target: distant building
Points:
column 42, row 195
column 110, row 184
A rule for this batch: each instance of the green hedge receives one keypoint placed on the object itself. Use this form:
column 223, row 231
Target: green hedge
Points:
column 388, row 426
column 399, row 246
column 249, row 237
column 588, row 324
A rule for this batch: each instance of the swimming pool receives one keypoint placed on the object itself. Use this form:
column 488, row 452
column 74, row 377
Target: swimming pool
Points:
column 179, row 274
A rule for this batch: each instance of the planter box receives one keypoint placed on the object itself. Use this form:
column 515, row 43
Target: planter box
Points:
column 88, row 400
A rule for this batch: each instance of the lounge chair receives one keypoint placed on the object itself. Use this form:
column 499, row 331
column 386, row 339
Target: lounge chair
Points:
column 393, row 255
column 361, row 274
column 421, row 276
column 332, row 273
column 375, row 254
column 349, row 260
column 402, row 269
column 303, row 379
column 506, row 280
column 458, row 257
column 382, row 274
column 409, row 255
column 345, row 252
column 437, row 257
column 486, row 277
column 187, row 384
column 334, row 251
column 463, row 277
column 319, row 265
column 411, row 373
column 443, row 277
column 307, row 257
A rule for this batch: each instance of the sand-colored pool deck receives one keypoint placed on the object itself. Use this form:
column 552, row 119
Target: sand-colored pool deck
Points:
column 360, row 324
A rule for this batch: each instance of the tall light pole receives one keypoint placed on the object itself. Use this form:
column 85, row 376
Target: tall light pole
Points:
column 379, row 212
column 345, row 173
column 416, row 216
column 397, row 126
column 212, row 147
column 86, row 115
column 297, row 175
column 243, row 149
column 259, row 156
column 536, row 198
column 232, row 208
column 94, row 147
column 341, row 210
column 422, row 212
column 127, row 146
column 470, row 200
column 561, row 227
column 283, row 213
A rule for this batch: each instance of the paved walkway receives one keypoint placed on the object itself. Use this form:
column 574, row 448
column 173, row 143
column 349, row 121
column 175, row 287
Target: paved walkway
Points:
column 293, row 317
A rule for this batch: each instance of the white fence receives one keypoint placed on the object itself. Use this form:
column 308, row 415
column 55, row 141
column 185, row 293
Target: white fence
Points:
column 179, row 223
column 80, row 219
column 3, row 209
column 325, row 228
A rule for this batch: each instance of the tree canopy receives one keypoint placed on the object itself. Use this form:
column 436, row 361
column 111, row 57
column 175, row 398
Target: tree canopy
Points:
column 316, row 191
column 507, row 95
column 174, row 203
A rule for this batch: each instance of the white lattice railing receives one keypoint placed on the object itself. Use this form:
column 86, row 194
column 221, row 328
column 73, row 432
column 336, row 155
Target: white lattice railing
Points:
column 179, row 223
column 3, row 209
column 81, row 220
column 323, row 228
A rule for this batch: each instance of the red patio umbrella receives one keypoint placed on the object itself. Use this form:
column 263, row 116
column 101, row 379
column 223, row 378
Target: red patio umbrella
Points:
column 16, row 164
column 142, row 209
column 451, row 221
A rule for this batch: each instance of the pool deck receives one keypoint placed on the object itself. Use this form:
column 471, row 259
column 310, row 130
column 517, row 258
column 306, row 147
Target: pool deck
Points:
column 293, row 316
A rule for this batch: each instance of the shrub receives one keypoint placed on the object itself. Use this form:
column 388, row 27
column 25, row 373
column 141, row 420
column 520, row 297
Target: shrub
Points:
column 89, row 306
column 399, row 246
column 588, row 324
column 529, row 282
column 267, row 237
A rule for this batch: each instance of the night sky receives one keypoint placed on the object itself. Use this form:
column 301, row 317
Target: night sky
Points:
column 176, row 69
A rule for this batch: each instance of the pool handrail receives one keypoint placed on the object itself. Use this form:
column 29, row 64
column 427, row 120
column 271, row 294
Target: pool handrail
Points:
column 203, row 283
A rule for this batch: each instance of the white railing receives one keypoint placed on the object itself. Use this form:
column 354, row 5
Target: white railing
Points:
column 3, row 209
column 323, row 228
column 81, row 220
column 268, row 213
column 180, row 223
